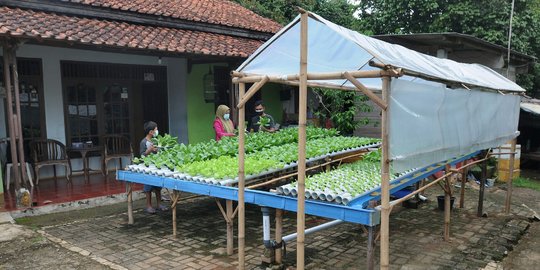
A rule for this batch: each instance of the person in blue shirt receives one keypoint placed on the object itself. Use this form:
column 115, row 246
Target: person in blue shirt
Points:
column 148, row 148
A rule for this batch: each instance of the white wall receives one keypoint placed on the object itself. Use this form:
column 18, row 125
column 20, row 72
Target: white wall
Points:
column 52, row 83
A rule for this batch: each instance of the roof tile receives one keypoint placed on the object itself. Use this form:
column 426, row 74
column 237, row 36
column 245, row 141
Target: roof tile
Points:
column 220, row 12
column 40, row 25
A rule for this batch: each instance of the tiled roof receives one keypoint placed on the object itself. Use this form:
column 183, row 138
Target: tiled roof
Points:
column 47, row 26
column 211, row 11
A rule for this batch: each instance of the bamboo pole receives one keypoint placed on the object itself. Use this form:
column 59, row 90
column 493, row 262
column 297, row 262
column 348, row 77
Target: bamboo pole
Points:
column 319, row 76
column 447, row 195
column 279, row 235
column 325, row 85
column 307, row 169
column 302, row 119
column 385, row 180
column 511, row 176
column 175, row 197
column 406, row 197
column 11, row 121
column 241, row 179
column 370, row 264
column 18, row 124
column 252, row 90
column 130, row 202
column 464, row 172
column 230, row 227
column 480, row 211
column 366, row 91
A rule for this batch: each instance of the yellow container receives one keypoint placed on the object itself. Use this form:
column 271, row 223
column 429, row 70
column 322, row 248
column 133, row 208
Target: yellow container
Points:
column 505, row 175
column 503, row 165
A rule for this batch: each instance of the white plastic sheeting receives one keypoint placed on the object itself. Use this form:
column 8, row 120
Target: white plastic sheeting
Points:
column 332, row 48
column 533, row 108
column 431, row 123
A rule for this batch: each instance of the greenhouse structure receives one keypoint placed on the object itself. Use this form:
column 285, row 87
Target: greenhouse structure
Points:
column 432, row 110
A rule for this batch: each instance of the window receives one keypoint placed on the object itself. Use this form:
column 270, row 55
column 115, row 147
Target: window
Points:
column 82, row 113
column 101, row 99
column 30, row 97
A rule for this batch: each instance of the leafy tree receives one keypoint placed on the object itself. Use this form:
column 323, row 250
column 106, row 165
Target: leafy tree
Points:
column 485, row 19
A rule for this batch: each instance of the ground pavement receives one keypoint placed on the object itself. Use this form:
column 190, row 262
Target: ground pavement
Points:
column 104, row 239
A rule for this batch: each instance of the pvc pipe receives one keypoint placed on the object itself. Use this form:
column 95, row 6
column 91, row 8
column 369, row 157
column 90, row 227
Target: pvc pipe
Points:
column 327, row 225
column 266, row 227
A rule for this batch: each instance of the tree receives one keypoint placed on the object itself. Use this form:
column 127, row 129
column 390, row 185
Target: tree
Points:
column 283, row 11
column 485, row 19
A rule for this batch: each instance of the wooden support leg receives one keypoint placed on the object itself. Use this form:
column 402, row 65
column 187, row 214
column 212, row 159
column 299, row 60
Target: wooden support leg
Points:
column 130, row 202
column 371, row 248
column 279, row 232
column 464, row 173
column 483, row 177
column 174, row 202
column 510, row 177
column 230, row 228
column 447, row 216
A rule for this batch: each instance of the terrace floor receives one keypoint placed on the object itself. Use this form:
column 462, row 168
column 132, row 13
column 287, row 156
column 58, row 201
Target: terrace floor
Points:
column 60, row 190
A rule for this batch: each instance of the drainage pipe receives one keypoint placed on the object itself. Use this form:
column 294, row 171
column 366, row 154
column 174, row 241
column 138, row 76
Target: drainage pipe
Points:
column 266, row 227
column 321, row 227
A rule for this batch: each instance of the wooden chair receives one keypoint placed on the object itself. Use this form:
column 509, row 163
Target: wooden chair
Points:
column 48, row 152
column 116, row 147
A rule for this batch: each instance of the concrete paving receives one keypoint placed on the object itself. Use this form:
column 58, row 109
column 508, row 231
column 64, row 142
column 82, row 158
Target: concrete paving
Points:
column 415, row 237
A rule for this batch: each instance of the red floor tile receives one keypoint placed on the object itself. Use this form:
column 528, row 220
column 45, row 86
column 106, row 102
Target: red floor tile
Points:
column 51, row 191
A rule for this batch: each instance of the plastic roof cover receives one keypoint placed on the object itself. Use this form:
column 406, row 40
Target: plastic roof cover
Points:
column 332, row 48
column 533, row 108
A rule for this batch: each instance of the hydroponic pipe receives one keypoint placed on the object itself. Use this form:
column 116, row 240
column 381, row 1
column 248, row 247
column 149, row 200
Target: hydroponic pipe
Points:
column 311, row 230
column 266, row 227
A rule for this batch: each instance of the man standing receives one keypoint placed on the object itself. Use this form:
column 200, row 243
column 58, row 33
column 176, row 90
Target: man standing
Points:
column 262, row 121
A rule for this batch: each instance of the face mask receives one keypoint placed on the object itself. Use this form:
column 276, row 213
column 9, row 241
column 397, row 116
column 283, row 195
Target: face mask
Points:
column 259, row 112
column 226, row 116
column 156, row 133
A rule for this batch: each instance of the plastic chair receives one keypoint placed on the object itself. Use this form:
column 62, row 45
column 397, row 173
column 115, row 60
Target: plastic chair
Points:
column 49, row 152
column 115, row 147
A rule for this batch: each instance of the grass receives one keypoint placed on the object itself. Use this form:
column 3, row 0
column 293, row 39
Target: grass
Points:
column 526, row 183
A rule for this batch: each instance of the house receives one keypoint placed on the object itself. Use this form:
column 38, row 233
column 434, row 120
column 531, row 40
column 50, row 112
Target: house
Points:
column 96, row 67
column 455, row 46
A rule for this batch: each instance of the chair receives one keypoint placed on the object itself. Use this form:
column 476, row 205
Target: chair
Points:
column 4, row 148
column 48, row 152
column 116, row 147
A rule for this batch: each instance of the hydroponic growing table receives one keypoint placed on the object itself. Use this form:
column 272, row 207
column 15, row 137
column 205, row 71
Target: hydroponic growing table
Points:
column 356, row 211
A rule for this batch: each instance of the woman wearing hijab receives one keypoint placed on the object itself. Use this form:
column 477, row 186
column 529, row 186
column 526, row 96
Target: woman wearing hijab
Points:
column 223, row 124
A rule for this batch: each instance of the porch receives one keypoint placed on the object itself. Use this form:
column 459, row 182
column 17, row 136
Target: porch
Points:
column 59, row 191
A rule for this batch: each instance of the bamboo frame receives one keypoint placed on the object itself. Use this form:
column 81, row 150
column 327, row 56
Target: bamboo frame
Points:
column 508, row 199
column 385, row 180
column 480, row 210
column 279, row 235
column 464, row 172
column 408, row 196
column 328, row 163
column 20, row 146
column 320, row 76
column 241, row 179
column 302, row 119
column 230, row 227
column 302, row 80
column 174, row 203
column 11, row 117
column 252, row 90
column 447, row 196
column 130, row 202
column 366, row 91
